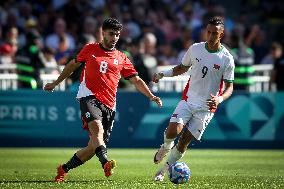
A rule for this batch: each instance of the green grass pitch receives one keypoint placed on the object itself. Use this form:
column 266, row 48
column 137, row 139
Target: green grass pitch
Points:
column 212, row 169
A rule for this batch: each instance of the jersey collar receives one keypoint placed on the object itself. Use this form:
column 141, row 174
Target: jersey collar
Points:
column 211, row 51
column 110, row 50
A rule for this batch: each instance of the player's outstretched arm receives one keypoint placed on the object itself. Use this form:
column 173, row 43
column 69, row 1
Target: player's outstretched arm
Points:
column 68, row 69
column 143, row 88
column 177, row 70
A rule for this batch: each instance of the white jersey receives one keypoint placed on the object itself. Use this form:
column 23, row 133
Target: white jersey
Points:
column 208, row 71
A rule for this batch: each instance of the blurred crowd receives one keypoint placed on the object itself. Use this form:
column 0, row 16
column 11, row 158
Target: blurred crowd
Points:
column 39, row 36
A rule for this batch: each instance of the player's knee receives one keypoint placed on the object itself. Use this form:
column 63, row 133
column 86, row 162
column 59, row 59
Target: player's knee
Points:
column 182, row 145
column 170, row 134
column 173, row 130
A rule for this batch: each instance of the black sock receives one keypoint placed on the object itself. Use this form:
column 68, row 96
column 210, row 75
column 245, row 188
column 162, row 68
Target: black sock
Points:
column 101, row 153
column 72, row 163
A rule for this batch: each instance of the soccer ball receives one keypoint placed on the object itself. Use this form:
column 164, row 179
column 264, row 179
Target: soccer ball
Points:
column 179, row 173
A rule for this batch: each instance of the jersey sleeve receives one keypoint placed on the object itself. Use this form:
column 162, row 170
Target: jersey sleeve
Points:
column 229, row 71
column 82, row 55
column 128, row 69
column 187, row 58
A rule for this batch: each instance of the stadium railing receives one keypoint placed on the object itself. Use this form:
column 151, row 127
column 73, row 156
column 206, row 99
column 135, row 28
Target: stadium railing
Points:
column 261, row 78
column 8, row 79
column 7, row 68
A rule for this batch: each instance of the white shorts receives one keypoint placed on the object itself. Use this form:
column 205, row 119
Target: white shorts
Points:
column 195, row 118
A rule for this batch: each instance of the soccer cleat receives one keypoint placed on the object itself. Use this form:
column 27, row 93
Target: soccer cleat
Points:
column 162, row 152
column 108, row 167
column 160, row 175
column 61, row 174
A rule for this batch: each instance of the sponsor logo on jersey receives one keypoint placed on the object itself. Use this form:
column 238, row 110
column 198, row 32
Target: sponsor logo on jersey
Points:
column 216, row 66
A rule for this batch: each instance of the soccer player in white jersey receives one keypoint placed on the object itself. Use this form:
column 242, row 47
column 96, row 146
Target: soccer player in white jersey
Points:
column 210, row 83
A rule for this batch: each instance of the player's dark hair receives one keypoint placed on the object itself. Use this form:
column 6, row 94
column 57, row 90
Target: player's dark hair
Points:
column 217, row 21
column 112, row 23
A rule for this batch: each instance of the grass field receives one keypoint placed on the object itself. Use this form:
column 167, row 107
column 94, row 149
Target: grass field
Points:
column 214, row 169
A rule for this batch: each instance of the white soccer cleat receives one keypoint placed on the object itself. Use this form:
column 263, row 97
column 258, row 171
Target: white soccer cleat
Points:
column 162, row 152
column 160, row 175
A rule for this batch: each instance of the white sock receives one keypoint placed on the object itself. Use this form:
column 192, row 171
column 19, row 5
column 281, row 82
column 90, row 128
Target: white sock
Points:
column 168, row 143
column 174, row 156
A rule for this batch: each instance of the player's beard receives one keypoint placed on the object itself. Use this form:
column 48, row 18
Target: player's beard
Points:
column 109, row 45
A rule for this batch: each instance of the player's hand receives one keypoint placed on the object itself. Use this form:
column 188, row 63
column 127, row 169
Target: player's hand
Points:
column 213, row 102
column 49, row 87
column 157, row 100
column 157, row 77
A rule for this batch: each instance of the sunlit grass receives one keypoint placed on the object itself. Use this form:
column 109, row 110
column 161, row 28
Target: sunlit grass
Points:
column 212, row 169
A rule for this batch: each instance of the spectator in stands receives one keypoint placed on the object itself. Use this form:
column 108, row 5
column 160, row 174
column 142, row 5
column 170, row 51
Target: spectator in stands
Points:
column 5, row 54
column 244, row 60
column 131, row 29
column 30, row 60
column 149, row 44
column 25, row 13
column 167, row 55
column 50, row 64
column 149, row 27
column 274, row 53
column 179, row 42
column 255, row 39
column 277, row 75
column 53, row 40
column 44, row 21
column 186, row 44
column 89, row 30
column 63, row 53
column 11, row 37
column 165, row 24
column 138, row 62
column 11, row 19
column 31, row 24
column 148, row 49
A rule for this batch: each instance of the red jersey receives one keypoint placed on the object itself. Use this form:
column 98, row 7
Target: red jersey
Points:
column 102, row 72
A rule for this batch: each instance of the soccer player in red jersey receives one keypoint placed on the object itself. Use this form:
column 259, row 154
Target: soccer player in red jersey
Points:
column 104, row 65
